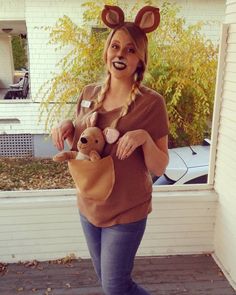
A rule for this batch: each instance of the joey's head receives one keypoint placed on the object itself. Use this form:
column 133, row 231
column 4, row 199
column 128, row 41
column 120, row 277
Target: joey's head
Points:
column 91, row 139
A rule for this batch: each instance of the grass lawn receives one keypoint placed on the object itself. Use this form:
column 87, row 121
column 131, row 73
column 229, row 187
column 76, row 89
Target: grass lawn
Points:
column 33, row 174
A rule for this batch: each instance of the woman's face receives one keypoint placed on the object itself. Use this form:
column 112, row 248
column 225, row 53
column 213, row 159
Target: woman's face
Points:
column 122, row 59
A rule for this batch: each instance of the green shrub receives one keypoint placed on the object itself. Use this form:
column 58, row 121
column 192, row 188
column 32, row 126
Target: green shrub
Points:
column 182, row 67
column 19, row 52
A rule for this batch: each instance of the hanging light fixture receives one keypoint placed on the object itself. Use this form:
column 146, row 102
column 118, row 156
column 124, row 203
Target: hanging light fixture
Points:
column 7, row 30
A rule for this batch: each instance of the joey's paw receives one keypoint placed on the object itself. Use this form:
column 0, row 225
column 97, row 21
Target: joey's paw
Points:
column 60, row 157
column 94, row 156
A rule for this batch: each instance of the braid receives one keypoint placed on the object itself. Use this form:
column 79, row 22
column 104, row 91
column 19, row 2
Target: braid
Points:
column 134, row 91
column 104, row 89
column 100, row 98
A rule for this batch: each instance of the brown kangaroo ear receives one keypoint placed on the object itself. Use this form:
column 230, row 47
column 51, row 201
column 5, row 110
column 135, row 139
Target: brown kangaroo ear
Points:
column 91, row 120
column 112, row 16
column 148, row 18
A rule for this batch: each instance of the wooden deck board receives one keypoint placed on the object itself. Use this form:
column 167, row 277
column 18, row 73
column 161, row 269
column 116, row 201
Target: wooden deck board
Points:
column 173, row 275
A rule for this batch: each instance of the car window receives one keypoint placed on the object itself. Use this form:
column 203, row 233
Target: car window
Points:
column 200, row 179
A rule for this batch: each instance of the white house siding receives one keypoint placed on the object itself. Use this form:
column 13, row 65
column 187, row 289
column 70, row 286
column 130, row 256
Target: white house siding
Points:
column 12, row 10
column 182, row 222
column 43, row 58
column 225, row 177
column 203, row 10
column 27, row 114
column 45, row 225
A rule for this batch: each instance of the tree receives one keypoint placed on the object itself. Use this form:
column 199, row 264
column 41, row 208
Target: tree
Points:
column 182, row 67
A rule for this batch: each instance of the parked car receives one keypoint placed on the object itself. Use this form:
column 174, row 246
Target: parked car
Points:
column 186, row 165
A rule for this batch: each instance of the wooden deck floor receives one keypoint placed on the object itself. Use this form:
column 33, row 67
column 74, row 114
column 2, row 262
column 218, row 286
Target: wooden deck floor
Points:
column 182, row 275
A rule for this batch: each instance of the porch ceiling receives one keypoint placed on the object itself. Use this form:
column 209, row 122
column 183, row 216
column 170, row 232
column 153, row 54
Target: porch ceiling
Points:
column 18, row 27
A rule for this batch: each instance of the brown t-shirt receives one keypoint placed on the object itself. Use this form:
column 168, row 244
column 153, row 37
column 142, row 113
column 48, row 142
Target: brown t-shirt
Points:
column 130, row 199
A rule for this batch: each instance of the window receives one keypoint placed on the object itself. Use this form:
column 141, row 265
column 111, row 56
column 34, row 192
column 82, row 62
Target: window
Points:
column 41, row 59
column 14, row 74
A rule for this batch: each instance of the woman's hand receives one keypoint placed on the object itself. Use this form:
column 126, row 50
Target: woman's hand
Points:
column 63, row 131
column 129, row 142
column 155, row 153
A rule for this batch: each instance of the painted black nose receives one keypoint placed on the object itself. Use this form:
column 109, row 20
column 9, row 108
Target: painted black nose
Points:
column 83, row 140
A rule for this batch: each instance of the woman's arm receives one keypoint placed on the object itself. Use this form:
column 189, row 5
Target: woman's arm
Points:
column 64, row 131
column 156, row 154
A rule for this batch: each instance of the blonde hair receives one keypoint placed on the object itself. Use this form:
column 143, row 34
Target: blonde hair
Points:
column 140, row 41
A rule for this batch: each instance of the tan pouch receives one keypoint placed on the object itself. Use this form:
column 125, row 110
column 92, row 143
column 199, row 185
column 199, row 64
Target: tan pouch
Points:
column 93, row 180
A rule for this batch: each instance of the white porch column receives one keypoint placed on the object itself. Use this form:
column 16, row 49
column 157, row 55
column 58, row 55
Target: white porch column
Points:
column 6, row 61
column 225, row 177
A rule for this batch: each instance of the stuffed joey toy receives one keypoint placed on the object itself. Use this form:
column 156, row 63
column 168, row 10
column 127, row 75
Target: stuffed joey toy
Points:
column 91, row 142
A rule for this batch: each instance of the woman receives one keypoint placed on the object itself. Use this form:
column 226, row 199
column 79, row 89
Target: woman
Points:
column 114, row 228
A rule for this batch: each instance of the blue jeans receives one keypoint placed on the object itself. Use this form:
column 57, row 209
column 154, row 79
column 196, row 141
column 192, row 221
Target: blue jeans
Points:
column 112, row 250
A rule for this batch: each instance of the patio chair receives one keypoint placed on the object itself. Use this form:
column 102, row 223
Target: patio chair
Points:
column 18, row 85
column 19, row 90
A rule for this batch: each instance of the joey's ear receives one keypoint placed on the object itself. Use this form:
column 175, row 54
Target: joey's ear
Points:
column 92, row 120
column 111, row 135
column 148, row 18
column 112, row 16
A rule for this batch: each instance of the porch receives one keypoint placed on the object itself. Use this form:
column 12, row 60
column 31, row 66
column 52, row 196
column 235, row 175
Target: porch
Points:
column 172, row 275
column 3, row 91
column 44, row 225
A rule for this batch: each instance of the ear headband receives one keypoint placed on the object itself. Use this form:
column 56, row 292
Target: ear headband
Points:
column 147, row 19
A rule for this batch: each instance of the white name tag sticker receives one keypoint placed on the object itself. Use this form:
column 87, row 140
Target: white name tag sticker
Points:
column 86, row 103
